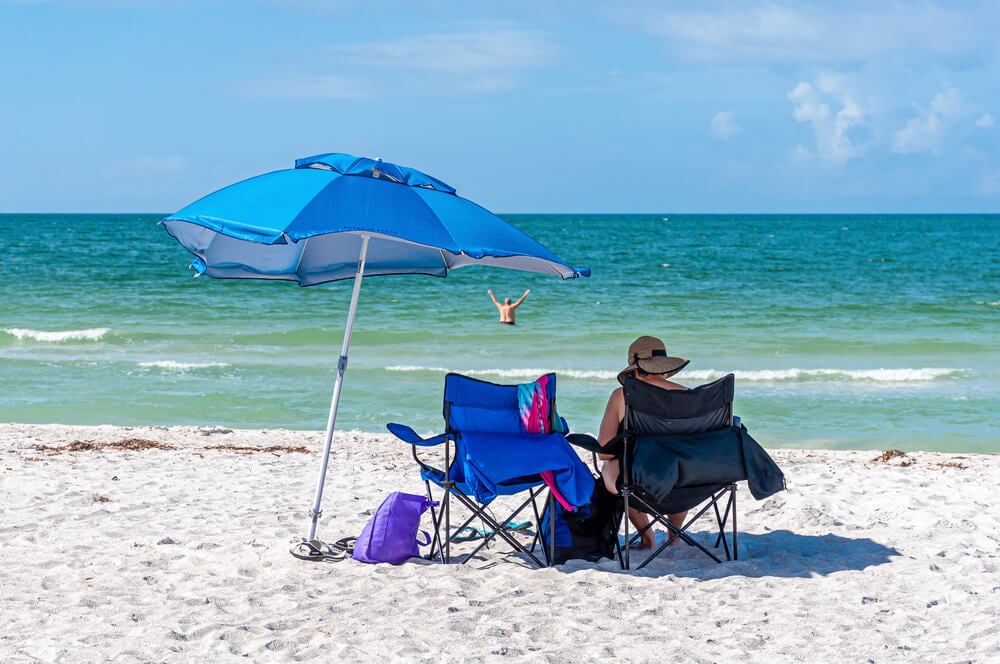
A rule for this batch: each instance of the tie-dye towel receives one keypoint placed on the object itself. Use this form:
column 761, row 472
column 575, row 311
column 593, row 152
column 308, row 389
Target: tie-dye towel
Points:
column 533, row 406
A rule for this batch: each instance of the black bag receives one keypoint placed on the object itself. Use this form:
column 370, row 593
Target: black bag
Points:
column 590, row 532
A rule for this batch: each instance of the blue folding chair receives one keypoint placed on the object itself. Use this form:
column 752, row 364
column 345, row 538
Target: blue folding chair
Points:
column 489, row 452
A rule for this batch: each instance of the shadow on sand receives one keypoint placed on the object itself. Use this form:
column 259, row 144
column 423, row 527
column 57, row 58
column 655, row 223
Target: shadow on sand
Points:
column 780, row 553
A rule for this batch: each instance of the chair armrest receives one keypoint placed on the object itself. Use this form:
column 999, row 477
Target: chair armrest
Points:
column 408, row 435
column 589, row 443
column 584, row 440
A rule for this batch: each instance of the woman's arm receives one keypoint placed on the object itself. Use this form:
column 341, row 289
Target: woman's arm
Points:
column 614, row 413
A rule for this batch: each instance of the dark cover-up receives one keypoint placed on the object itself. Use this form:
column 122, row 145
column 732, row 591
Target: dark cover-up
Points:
column 678, row 471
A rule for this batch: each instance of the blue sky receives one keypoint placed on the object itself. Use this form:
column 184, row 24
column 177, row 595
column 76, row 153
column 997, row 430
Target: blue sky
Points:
column 523, row 106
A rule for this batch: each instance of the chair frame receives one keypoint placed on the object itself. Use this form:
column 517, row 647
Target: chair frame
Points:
column 622, row 552
column 728, row 492
column 724, row 491
column 441, row 516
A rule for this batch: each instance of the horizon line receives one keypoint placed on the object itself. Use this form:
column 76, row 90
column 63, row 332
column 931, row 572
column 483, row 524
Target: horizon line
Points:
column 588, row 214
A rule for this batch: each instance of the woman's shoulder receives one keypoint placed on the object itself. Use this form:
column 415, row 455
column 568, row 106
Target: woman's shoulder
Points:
column 670, row 385
column 617, row 397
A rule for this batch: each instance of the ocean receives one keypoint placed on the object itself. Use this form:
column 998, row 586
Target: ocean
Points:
column 844, row 331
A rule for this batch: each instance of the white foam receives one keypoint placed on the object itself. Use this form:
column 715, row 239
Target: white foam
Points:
column 171, row 365
column 67, row 335
column 509, row 373
column 919, row 375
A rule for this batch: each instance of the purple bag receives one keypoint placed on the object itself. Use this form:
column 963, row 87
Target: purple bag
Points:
column 390, row 536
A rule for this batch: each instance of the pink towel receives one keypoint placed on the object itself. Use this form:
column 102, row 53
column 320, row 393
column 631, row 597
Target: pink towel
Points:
column 533, row 406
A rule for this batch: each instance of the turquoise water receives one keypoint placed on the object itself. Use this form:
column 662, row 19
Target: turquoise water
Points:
column 844, row 331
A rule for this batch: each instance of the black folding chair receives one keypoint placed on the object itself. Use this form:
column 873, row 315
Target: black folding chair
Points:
column 680, row 450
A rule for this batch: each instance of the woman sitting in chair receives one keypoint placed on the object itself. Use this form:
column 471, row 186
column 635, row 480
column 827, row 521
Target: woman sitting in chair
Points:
column 647, row 361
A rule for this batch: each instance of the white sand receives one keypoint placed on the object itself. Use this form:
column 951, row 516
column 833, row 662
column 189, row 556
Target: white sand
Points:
column 181, row 555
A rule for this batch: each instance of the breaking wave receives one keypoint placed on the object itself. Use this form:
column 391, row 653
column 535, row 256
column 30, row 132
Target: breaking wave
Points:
column 793, row 375
column 171, row 365
column 93, row 334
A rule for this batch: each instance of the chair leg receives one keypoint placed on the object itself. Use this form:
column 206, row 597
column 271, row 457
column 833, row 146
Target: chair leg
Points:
column 437, row 516
column 732, row 498
column 721, row 523
column 500, row 530
column 625, row 558
column 538, row 538
column 441, row 544
column 677, row 533
column 441, row 518
column 722, row 519
column 681, row 533
column 448, row 486
column 442, row 521
column 552, row 530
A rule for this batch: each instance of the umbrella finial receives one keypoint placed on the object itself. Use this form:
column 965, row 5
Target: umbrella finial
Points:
column 376, row 173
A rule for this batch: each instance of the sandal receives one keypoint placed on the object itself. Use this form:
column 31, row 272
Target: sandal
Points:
column 467, row 534
column 321, row 552
column 345, row 544
column 517, row 525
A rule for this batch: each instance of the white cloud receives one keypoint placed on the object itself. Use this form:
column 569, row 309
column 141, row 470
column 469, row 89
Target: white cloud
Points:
column 724, row 125
column 831, row 128
column 773, row 33
column 488, row 58
column 986, row 121
column 719, row 36
column 486, row 50
column 927, row 132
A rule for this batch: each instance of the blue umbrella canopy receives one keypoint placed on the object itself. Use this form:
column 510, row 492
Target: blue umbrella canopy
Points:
column 335, row 216
column 306, row 224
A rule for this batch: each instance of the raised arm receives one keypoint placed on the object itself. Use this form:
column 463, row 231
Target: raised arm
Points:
column 518, row 303
column 492, row 298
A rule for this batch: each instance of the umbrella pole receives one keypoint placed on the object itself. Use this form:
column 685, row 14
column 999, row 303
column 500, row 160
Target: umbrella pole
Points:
column 335, row 401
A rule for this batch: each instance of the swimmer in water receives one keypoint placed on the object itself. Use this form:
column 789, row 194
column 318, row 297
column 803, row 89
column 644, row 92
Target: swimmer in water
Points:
column 506, row 308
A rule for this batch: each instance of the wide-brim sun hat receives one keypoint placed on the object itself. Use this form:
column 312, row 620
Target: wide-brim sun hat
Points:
column 650, row 355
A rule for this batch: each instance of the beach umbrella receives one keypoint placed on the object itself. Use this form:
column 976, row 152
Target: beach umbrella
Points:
column 335, row 216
